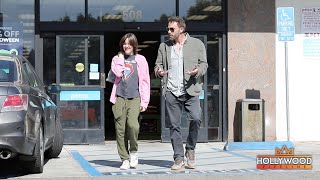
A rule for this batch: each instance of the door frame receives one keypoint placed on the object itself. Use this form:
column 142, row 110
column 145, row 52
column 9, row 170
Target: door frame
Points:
column 84, row 135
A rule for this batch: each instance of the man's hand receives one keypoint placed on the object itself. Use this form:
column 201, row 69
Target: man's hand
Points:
column 193, row 72
column 160, row 72
column 142, row 109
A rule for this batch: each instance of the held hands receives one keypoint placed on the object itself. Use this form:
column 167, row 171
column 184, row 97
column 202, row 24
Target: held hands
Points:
column 142, row 109
column 192, row 72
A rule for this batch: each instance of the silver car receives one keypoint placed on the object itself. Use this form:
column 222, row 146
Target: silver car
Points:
column 29, row 127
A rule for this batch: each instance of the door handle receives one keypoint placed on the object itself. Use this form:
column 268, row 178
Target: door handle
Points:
column 103, row 80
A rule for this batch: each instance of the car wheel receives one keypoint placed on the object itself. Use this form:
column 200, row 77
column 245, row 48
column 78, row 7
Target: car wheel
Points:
column 36, row 165
column 56, row 147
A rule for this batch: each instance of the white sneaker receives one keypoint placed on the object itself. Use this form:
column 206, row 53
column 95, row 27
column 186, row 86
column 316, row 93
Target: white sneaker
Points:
column 133, row 160
column 125, row 165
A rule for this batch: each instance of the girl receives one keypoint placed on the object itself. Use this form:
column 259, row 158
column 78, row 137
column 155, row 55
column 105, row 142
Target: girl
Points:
column 130, row 96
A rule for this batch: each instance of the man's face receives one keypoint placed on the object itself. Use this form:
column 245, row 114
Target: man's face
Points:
column 174, row 30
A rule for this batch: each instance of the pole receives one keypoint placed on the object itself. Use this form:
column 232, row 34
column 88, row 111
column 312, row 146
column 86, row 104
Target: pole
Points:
column 287, row 90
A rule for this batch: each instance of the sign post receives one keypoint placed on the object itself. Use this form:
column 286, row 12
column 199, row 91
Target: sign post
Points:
column 286, row 32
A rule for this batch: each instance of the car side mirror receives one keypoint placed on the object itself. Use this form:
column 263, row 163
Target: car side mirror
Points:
column 54, row 89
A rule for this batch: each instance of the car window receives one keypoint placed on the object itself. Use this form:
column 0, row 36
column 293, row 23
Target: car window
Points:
column 25, row 77
column 8, row 71
column 36, row 77
column 33, row 79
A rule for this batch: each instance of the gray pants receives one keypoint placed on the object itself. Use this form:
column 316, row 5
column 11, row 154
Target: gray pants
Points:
column 174, row 107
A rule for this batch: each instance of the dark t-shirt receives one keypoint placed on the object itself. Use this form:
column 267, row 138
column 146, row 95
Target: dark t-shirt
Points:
column 128, row 86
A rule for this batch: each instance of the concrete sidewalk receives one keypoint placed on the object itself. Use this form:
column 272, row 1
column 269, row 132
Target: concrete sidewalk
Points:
column 155, row 160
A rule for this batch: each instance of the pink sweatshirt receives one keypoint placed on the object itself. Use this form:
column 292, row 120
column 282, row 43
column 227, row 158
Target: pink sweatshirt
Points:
column 117, row 66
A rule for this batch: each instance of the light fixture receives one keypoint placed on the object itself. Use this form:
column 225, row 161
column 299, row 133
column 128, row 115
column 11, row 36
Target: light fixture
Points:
column 26, row 16
column 112, row 16
column 143, row 46
column 149, row 42
column 197, row 17
column 212, row 8
column 28, row 24
column 212, row 42
column 122, row 8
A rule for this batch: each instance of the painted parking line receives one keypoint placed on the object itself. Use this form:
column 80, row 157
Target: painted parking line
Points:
column 164, row 171
column 85, row 164
column 237, row 154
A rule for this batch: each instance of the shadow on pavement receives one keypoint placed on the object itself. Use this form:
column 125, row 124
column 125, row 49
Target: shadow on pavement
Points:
column 116, row 164
column 13, row 168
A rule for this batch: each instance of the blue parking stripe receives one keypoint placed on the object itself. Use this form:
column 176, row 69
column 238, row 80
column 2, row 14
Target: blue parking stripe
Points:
column 85, row 164
column 229, row 146
column 238, row 154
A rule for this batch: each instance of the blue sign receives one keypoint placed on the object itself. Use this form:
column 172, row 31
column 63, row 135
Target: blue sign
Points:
column 94, row 67
column 285, row 23
column 79, row 95
column 311, row 47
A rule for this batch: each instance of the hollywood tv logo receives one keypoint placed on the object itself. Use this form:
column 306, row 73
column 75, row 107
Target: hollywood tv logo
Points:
column 284, row 158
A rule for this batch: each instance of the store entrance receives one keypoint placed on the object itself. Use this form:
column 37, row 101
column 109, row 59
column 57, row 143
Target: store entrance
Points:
column 150, row 121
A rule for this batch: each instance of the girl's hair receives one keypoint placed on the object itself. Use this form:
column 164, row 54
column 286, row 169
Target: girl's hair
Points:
column 132, row 41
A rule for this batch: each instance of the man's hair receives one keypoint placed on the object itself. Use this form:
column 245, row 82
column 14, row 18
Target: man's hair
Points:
column 181, row 23
column 133, row 41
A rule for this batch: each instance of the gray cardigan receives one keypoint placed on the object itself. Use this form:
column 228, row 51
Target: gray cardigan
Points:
column 194, row 54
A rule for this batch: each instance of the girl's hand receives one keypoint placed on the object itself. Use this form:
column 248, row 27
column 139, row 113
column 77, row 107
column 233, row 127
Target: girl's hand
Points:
column 142, row 109
column 120, row 55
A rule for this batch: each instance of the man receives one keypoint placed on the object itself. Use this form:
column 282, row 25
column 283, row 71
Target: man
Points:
column 181, row 62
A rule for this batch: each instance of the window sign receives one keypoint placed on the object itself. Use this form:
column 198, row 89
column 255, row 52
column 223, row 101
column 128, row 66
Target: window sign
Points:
column 310, row 20
column 310, row 26
column 94, row 68
column 11, row 40
column 79, row 95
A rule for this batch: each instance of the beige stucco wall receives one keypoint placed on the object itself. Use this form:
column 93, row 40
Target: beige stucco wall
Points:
column 251, row 58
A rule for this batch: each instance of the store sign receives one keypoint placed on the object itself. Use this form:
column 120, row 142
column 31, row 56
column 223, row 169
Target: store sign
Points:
column 11, row 40
column 79, row 95
column 285, row 23
column 310, row 21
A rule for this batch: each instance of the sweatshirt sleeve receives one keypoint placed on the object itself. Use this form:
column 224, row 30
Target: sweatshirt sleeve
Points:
column 117, row 66
column 145, row 84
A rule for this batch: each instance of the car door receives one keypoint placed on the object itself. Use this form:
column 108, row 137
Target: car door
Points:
column 47, row 105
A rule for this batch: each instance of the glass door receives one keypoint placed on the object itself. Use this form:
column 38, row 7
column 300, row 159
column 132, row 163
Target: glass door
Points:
column 80, row 72
column 203, row 132
column 215, row 86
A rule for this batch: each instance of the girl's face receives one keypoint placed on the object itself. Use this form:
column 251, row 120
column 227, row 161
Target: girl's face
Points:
column 127, row 47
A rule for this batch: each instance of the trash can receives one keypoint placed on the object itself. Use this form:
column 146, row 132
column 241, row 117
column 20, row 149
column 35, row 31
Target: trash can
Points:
column 249, row 122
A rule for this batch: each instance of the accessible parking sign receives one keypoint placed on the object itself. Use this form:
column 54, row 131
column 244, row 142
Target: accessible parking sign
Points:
column 285, row 23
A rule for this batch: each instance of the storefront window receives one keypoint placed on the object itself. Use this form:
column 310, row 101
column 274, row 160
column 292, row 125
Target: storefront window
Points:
column 204, row 10
column 62, row 10
column 130, row 10
column 17, row 28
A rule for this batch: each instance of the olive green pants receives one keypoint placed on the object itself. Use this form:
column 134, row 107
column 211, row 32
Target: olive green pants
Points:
column 126, row 113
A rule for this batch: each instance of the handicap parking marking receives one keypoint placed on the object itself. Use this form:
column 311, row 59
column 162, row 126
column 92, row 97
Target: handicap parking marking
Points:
column 85, row 164
column 92, row 171
column 166, row 173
